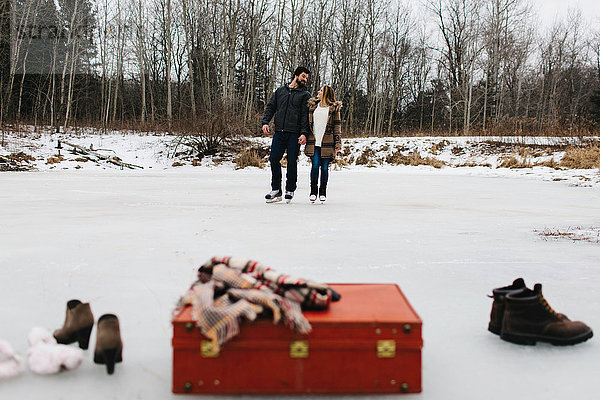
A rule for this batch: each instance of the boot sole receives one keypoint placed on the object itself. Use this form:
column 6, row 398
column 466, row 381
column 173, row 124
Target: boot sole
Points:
column 495, row 329
column 273, row 200
column 531, row 340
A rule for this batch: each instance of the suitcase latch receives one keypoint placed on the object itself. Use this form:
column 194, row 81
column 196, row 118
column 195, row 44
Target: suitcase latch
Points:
column 299, row 349
column 386, row 348
column 207, row 350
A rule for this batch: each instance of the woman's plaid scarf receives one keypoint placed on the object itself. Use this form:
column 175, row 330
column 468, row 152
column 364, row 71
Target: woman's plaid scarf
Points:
column 229, row 289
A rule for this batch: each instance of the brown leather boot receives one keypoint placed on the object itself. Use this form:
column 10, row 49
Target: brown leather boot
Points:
column 499, row 295
column 528, row 318
column 78, row 325
column 109, row 347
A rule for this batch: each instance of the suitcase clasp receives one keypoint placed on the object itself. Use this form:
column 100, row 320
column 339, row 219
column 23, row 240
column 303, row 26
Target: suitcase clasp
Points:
column 299, row 349
column 386, row 348
column 207, row 350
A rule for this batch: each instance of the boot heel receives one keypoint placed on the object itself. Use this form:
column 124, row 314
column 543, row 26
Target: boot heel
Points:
column 110, row 356
column 83, row 337
column 109, row 346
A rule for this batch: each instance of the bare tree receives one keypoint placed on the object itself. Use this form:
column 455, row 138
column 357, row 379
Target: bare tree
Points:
column 457, row 23
column 397, row 51
column 346, row 52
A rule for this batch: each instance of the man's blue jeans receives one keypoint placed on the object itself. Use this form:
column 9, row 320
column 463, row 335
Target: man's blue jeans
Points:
column 283, row 141
column 319, row 163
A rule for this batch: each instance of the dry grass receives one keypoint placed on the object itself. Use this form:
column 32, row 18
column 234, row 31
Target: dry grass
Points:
column 550, row 164
column 577, row 233
column 217, row 160
column 474, row 164
column 340, row 162
column 581, row 157
column 249, row 158
column 366, row 158
column 439, row 147
column 54, row 159
column 20, row 157
column 512, row 162
column 413, row 159
column 16, row 162
column 522, row 148
column 524, row 152
column 458, row 151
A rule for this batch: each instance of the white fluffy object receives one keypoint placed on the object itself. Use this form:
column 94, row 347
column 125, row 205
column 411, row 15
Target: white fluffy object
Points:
column 48, row 357
column 11, row 364
column 40, row 335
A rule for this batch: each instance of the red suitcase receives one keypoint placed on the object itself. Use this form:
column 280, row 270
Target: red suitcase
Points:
column 368, row 342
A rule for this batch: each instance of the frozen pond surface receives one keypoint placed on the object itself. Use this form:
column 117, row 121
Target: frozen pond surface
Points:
column 130, row 243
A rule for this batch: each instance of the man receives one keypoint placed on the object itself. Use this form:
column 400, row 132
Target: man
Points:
column 288, row 104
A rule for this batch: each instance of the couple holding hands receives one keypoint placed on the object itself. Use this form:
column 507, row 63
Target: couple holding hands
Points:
column 302, row 119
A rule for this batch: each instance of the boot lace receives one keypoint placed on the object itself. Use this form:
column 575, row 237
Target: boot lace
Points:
column 548, row 308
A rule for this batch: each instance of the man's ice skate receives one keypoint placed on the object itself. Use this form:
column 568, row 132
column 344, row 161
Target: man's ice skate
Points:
column 312, row 198
column 289, row 196
column 273, row 196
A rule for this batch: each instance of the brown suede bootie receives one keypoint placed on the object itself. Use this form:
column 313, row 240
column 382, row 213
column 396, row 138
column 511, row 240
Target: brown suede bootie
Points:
column 109, row 347
column 78, row 325
column 498, row 306
column 528, row 318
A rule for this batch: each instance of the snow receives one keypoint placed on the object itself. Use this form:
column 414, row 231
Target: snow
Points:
column 130, row 241
column 471, row 156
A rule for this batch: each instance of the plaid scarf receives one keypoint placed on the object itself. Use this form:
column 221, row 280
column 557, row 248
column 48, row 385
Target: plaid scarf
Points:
column 231, row 289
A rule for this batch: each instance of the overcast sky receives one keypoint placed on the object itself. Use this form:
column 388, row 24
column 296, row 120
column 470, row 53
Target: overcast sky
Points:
column 548, row 10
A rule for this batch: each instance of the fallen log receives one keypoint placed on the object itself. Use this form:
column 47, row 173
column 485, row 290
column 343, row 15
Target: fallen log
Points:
column 112, row 160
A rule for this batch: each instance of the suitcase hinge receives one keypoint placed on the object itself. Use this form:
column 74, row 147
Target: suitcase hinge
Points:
column 386, row 348
column 207, row 350
column 299, row 349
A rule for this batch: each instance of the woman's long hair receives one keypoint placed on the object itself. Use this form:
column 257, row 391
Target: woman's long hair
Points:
column 328, row 95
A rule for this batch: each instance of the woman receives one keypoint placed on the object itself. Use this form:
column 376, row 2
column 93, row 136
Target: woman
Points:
column 324, row 138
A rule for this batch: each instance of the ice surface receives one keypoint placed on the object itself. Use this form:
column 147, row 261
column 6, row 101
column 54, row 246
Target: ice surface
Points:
column 129, row 242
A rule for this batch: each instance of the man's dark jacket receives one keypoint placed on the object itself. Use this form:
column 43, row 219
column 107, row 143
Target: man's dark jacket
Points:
column 290, row 109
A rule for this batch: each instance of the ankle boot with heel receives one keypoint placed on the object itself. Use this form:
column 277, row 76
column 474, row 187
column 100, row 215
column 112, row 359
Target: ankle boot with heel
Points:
column 109, row 346
column 78, row 325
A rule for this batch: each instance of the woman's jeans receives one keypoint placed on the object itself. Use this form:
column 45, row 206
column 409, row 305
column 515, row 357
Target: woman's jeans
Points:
column 319, row 163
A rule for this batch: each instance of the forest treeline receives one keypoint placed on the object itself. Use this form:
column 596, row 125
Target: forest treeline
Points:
column 444, row 67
